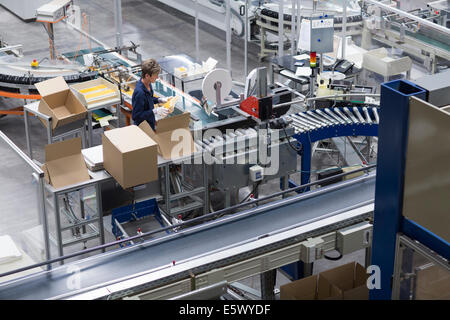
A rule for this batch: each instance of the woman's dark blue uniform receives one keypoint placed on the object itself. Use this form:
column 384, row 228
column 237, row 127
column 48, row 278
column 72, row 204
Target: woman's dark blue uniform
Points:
column 143, row 103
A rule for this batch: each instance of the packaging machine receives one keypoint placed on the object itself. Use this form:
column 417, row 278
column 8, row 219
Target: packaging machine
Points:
column 421, row 33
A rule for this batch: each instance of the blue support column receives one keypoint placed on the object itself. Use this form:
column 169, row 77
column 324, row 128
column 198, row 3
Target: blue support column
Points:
column 392, row 145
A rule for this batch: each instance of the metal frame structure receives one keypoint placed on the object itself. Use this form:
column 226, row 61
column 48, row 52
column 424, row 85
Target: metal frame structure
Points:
column 388, row 217
column 403, row 244
column 330, row 128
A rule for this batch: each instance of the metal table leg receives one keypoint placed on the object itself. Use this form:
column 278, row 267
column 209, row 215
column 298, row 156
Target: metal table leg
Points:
column 205, row 184
column 58, row 226
column 43, row 218
column 27, row 133
column 49, row 131
column 98, row 195
column 268, row 280
column 84, row 142
column 90, row 144
column 167, row 188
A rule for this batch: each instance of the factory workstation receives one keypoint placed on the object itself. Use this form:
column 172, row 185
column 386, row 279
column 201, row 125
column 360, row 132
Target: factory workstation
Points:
column 224, row 150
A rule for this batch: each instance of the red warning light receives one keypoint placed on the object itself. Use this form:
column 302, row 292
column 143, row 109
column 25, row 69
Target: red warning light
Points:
column 313, row 59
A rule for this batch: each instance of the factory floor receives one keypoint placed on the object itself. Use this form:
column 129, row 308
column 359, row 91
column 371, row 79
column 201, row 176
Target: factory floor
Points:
column 160, row 31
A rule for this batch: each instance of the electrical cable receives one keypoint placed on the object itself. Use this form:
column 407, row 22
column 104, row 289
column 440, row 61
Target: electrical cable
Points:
column 81, row 39
column 290, row 143
column 253, row 191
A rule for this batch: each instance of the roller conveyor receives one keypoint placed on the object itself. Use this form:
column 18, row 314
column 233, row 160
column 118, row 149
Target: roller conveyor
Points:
column 324, row 118
column 319, row 118
column 342, row 115
column 334, row 121
column 155, row 257
column 335, row 116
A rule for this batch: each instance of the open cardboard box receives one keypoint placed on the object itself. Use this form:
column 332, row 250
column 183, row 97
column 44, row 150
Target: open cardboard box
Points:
column 64, row 164
column 96, row 92
column 347, row 282
column 130, row 156
column 59, row 102
column 169, row 147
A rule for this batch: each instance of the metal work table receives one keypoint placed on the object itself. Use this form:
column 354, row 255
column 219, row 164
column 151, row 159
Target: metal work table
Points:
column 200, row 249
column 102, row 176
column 97, row 178
column 52, row 135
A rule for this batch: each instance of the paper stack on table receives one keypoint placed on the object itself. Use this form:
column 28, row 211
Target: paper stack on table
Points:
column 303, row 72
column 300, row 57
column 93, row 158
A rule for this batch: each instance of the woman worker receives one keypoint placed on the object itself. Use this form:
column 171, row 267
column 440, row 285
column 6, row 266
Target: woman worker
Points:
column 143, row 100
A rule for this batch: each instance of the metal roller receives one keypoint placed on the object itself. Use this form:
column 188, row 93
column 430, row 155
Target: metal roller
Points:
column 335, row 116
column 320, row 118
column 377, row 118
column 351, row 115
column 343, row 116
column 310, row 119
column 198, row 146
column 366, row 112
column 297, row 129
column 302, row 125
column 323, row 114
column 312, row 125
column 305, row 124
column 358, row 114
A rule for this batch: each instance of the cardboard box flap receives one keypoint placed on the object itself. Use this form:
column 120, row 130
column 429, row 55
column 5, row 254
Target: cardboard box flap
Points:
column 46, row 174
column 342, row 277
column 129, row 138
column 303, row 289
column 177, row 148
column 65, row 164
column 361, row 276
column 357, row 293
column 168, row 148
column 326, row 290
column 62, row 149
column 67, row 171
column 144, row 126
column 49, row 87
column 173, row 123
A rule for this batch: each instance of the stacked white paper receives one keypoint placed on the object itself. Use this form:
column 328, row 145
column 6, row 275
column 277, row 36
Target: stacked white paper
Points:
column 93, row 158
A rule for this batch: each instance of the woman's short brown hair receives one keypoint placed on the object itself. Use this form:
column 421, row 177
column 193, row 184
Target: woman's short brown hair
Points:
column 150, row 67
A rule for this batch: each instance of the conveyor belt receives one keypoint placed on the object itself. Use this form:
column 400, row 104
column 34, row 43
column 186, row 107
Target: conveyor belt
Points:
column 246, row 226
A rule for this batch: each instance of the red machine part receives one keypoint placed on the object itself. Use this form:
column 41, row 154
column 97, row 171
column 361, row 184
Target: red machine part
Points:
column 250, row 106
